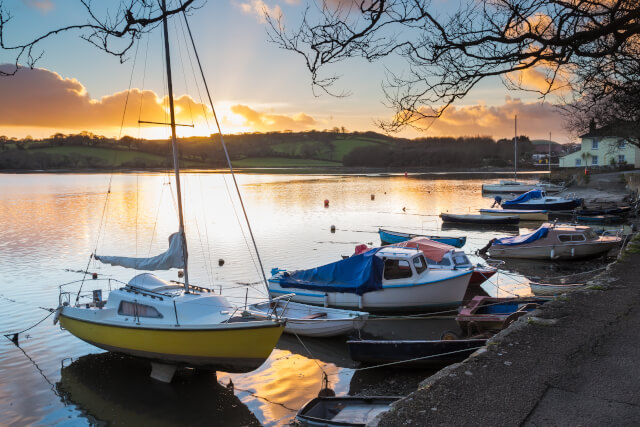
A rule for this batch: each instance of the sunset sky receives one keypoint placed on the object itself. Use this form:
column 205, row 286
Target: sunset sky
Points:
column 255, row 85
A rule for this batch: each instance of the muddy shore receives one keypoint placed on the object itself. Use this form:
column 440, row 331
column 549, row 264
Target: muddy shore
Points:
column 571, row 362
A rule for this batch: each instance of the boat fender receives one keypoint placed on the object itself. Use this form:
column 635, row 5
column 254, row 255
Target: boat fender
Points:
column 326, row 300
column 56, row 316
column 573, row 251
column 360, row 302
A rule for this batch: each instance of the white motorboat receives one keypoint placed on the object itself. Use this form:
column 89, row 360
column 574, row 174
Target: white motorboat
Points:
column 310, row 320
column 555, row 242
column 381, row 279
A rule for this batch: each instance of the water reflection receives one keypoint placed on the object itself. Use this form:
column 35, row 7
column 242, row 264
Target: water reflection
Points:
column 112, row 389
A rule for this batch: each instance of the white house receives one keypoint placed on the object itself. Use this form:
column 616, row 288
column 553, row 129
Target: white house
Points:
column 598, row 148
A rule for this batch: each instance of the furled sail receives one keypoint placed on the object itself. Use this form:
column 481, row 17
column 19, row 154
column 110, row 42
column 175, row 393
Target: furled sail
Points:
column 172, row 258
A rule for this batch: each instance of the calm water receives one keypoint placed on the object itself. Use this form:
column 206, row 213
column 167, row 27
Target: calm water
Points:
column 51, row 223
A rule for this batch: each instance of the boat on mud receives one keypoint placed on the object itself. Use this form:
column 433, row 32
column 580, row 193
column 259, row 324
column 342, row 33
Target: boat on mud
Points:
column 519, row 187
column 310, row 320
column 380, row 279
column 355, row 411
column 555, row 242
column 484, row 313
column 479, row 219
column 388, row 237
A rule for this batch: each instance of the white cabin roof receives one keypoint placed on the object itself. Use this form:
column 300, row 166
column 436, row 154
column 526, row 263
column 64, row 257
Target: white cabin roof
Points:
column 397, row 252
column 152, row 283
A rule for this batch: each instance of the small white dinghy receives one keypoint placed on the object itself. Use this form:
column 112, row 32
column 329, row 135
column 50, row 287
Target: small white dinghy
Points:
column 545, row 289
column 310, row 320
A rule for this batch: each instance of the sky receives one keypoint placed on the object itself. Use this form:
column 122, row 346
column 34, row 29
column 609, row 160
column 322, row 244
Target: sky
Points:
column 255, row 85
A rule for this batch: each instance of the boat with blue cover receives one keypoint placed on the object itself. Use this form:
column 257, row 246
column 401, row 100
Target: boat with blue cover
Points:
column 538, row 199
column 555, row 242
column 388, row 237
column 381, row 279
column 485, row 313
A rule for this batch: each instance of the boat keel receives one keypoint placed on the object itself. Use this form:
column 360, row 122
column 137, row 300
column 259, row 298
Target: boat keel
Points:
column 162, row 372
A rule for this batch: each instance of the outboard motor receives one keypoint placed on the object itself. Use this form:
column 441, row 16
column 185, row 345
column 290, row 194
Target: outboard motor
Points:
column 497, row 201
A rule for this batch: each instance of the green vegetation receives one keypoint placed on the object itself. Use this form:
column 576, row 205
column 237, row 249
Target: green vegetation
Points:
column 280, row 162
column 110, row 156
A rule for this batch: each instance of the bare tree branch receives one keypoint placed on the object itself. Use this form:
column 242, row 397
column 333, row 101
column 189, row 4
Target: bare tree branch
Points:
column 114, row 34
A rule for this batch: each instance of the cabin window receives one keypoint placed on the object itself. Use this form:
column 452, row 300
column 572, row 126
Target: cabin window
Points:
column 564, row 237
column 621, row 158
column 460, row 259
column 397, row 269
column 128, row 308
column 594, row 160
column 419, row 264
column 578, row 162
column 594, row 144
column 577, row 238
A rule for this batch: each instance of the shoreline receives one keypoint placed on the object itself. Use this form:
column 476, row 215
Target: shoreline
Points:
column 558, row 365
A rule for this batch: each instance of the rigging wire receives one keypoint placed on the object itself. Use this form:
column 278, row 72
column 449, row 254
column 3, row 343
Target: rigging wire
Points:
column 224, row 146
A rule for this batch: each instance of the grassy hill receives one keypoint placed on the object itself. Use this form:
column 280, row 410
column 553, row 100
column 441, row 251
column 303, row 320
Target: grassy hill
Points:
column 281, row 162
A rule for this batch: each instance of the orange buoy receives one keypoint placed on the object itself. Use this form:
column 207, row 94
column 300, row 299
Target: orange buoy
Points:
column 373, row 197
column 406, row 174
column 94, row 275
column 326, row 203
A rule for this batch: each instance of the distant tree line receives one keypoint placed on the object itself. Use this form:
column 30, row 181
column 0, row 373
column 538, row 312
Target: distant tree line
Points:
column 384, row 151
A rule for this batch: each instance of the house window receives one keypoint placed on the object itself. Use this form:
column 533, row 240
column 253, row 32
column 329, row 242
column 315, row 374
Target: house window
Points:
column 621, row 158
column 594, row 160
column 396, row 269
column 578, row 162
column 594, row 144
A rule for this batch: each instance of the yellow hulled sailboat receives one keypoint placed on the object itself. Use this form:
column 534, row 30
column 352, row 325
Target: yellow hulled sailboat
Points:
column 170, row 323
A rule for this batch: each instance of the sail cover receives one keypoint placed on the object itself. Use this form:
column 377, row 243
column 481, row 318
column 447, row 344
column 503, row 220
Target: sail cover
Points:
column 540, row 233
column 356, row 275
column 430, row 248
column 172, row 258
column 529, row 195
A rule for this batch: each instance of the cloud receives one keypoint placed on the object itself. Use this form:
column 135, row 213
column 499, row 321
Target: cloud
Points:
column 265, row 122
column 535, row 119
column 44, row 101
column 41, row 5
column 259, row 8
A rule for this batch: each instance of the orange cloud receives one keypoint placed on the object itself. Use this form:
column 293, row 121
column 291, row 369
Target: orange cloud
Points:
column 42, row 5
column 270, row 122
column 41, row 102
column 259, row 8
column 535, row 119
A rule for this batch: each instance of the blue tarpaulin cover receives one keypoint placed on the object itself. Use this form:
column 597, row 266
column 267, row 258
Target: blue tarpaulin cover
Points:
column 533, row 194
column 357, row 275
column 524, row 238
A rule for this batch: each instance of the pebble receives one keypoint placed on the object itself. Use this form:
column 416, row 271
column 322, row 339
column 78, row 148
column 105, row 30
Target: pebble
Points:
column 434, row 409
column 468, row 373
column 508, row 363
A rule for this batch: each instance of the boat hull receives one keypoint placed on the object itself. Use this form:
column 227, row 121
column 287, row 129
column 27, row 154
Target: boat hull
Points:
column 435, row 353
column 537, row 215
column 442, row 290
column 392, row 237
column 230, row 348
column 560, row 206
column 479, row 219
column 554, row 252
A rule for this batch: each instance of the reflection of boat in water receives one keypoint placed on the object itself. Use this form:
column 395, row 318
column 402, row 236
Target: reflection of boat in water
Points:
column 326, row 350
column 116, row 390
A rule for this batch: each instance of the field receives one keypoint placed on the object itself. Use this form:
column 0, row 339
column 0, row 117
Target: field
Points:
column 281, row 162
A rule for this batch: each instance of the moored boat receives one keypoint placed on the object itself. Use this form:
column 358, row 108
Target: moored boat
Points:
column 524, row 215
column 355, row 411
column 479, row 219
column 546, row 289
column 388, row 237
column 310, row 320
column 555, row 242
column 412, row 353
column 600, row 219
column 537, row 199
column 381, row 279
column 484, row 313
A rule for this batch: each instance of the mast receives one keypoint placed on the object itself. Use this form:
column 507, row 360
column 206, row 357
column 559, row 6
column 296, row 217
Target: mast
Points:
column 515, row 149
column 174, row 143
column 549, row 158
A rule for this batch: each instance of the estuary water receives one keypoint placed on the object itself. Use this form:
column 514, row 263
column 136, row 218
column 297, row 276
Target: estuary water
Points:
column 51, row 223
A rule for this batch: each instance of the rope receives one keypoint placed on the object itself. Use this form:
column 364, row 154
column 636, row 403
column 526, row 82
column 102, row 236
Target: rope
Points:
column 15, row 335
column 416, row 358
